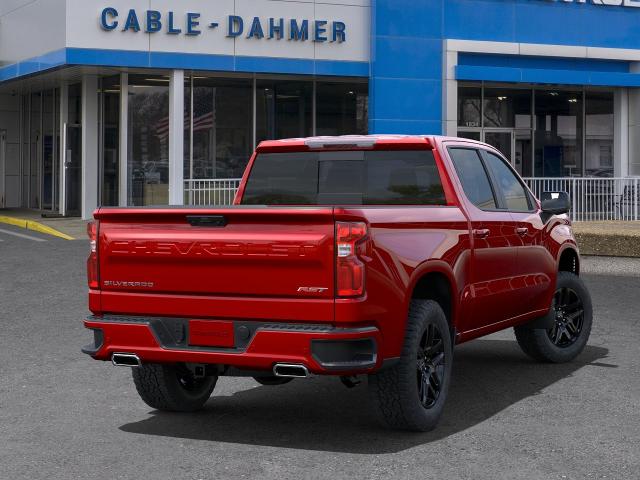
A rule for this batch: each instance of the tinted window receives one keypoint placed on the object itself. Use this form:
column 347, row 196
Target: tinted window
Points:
column 514, row 193
column 473, row 177
column 352, row 178
column 409, row 178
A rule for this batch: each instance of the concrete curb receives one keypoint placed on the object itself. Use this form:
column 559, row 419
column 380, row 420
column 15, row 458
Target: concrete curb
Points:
column 35, row 226
column 608, row 244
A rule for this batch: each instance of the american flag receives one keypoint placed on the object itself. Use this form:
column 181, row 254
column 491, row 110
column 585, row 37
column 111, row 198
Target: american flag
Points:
column 203, row 122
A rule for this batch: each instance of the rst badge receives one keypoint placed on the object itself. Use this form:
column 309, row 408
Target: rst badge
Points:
column 312, row 289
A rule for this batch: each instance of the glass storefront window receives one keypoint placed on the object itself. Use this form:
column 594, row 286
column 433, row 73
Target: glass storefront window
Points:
column 222, row 128
column 544, row 131
column 110, row 90
column 469, row 106
column 284, row 109
column 48, row 150
column 507, row 108
column 599, row 134
column 558, row 136
column 341, row 108
column 148, row 140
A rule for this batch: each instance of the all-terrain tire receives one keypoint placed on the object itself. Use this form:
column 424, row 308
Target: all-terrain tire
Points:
column 172, row 387
column 396, row 391
column 564, row 345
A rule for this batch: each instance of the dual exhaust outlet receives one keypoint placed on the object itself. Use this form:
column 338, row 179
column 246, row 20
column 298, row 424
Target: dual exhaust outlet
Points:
column 290, row 370
column 285, row 370
column 125, row 360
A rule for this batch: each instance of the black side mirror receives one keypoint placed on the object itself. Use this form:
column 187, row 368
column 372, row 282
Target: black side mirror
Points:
column 555, row 203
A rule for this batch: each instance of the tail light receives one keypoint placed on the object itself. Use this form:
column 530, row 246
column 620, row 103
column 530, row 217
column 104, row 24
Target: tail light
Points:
column 92, row 261
column 349, row 268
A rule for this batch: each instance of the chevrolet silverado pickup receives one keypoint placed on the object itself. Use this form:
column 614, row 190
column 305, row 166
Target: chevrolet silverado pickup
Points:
column 346, row 256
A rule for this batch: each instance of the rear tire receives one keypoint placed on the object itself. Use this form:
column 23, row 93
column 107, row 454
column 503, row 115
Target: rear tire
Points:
column 172, row 387
column 272, row 380
column 411, row 394
column 574, row 317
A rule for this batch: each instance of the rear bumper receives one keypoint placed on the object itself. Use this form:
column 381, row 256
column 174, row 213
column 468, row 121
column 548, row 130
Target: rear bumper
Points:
column 323, row 349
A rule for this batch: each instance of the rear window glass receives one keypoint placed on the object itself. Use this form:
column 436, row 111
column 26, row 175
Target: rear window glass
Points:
column 347, row 178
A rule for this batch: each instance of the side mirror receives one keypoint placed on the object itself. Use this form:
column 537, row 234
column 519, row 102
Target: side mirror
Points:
column 555, row 203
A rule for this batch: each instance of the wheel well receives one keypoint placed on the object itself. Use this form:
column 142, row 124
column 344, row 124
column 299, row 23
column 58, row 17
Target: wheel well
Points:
column 435, row 286
column 569, row 262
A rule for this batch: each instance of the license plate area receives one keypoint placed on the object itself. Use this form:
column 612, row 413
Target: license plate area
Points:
column 211, row 333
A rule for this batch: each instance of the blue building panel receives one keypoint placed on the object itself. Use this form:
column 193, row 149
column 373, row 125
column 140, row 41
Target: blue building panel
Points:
column 408, row 36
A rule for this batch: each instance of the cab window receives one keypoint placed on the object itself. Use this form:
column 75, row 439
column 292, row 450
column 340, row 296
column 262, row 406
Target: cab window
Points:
column 473, row 177
column 513, row 192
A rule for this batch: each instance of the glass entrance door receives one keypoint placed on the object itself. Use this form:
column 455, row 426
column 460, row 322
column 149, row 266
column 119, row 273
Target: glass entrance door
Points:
column 73, row 170
column 49, row 160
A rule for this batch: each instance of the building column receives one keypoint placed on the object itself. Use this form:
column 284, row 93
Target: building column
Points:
column 64, row 119
column 176, row 138
column 621, row 133
column 450, row 92
column 123, row 178
column 89, row 145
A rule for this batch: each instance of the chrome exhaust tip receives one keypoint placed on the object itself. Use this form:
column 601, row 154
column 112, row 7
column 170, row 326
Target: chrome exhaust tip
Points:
column 289, row 370
column 125, row 360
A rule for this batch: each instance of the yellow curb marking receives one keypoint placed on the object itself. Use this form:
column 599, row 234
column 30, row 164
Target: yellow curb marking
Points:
column 35, row 226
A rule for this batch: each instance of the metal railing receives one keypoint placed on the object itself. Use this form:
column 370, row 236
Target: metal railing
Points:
column 593, row 198
column 216, row 191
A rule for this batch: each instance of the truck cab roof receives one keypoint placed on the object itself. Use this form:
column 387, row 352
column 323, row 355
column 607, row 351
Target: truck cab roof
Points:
column 355, row 142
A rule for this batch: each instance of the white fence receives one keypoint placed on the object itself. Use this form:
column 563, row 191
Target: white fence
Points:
column 595, row 199
column 592, row 199
column 217, row 191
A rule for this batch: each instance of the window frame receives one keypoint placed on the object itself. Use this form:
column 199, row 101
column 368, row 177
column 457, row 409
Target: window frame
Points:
column 498, row 188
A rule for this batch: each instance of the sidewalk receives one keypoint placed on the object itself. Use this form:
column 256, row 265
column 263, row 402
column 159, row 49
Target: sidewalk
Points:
column 612, row 239
column 68, row 228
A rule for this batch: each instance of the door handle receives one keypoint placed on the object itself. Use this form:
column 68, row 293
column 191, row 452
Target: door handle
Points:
column 522, row 231
column 481, row 233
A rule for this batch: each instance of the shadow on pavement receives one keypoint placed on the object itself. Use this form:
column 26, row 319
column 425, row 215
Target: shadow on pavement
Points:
column 320, row 414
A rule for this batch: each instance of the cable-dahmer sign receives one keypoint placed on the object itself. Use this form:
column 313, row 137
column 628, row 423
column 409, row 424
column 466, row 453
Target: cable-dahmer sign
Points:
column 192, row 23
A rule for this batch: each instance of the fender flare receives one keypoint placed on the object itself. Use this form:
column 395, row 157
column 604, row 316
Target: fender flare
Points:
column 568, row 245
column 441, row 267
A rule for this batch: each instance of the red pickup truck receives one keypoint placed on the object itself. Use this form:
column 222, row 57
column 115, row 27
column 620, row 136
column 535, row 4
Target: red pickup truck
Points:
column 344, row 256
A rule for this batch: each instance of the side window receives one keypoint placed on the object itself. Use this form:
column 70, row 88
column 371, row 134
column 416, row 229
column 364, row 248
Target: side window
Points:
column 515, row 195
column 473, row 177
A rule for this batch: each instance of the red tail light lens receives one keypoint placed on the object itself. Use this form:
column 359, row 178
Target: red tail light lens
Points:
column 349, row 268
column 92, row 261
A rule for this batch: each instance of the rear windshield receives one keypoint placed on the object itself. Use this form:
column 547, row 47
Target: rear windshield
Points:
column 345, row 178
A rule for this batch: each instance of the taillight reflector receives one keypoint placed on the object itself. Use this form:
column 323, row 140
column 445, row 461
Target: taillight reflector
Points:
column 350, row 272
column 92, row 262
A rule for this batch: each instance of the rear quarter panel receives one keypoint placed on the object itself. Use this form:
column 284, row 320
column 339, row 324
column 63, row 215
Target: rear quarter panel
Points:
column 405, row 243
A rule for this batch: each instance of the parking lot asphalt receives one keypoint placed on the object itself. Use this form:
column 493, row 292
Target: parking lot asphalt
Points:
column 65, row 416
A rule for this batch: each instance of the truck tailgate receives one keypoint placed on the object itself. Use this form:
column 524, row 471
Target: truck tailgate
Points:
column 222, row 252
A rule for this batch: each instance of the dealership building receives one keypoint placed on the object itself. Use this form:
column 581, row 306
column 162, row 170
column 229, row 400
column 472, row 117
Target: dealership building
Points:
column 158, row 102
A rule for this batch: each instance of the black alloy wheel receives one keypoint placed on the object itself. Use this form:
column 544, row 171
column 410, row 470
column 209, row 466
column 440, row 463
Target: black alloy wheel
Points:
column 430, row 366
column 569, row 318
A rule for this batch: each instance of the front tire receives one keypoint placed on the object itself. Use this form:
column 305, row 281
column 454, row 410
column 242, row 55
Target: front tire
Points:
column 411, row 394
column 574, row 317
column 172, row 388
